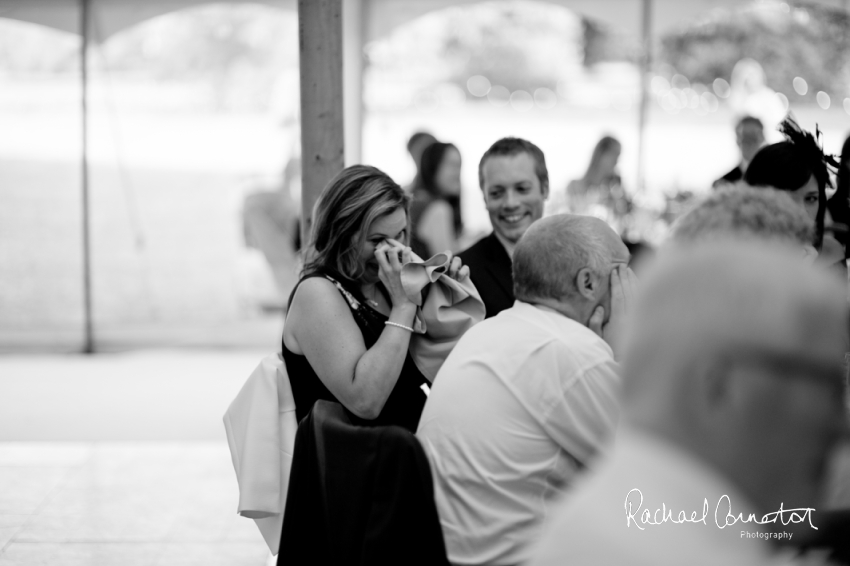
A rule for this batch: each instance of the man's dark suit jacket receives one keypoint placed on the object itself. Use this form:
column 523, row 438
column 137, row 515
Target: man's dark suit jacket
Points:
column 732, row 176
column 490, row 269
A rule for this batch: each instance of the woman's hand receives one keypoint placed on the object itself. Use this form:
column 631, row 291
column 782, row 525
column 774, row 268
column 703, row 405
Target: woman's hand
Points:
column 391, row 255
column 457, row 270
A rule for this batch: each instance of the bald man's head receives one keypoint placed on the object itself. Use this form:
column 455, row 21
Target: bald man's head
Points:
column 733, row 346
column 554, row 253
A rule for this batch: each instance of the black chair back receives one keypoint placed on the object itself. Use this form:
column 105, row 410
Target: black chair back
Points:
column 359, row 495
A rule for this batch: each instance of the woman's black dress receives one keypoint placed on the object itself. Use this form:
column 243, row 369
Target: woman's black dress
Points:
column 404, row 405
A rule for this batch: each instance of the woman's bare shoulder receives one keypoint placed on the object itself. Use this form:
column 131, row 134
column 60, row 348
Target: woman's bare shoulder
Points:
column 318, row 294
column 318, row 312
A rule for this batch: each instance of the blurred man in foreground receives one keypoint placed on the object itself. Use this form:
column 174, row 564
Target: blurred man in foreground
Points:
column 746, row 213
column 528, row 397
column 515, row 183
column 733, row 400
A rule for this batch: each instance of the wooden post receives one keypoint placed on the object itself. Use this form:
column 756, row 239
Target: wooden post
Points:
column 645, row 70
column 322, row 142
column 85, row 32
column 353, row 24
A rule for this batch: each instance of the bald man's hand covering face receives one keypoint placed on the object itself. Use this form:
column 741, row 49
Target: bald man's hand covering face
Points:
column 608, row 324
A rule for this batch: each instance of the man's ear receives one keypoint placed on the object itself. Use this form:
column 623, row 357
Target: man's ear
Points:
column 545, row 190
column 587, row 283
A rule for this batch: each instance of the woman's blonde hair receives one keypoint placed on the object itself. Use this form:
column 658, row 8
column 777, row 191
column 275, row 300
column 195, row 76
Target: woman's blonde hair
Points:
column 355, row 198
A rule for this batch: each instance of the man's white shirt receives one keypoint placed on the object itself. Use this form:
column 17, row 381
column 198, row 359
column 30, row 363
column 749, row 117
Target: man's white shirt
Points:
column 520, row 406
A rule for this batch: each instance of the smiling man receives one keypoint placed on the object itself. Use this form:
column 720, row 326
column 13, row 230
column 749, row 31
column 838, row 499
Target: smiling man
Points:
column 515, row 183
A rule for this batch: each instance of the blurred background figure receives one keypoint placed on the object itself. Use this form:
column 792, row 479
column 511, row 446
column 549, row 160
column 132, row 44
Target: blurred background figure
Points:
column 749, row 135
column 415, row 146
column 435, row 213
column 600, row 192
column 271, row 225
column 751, row 94
column 734, row 398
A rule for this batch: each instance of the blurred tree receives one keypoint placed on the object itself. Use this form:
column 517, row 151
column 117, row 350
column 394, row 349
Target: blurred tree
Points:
column 601, row 44
column 231, row 47
column 810, row 41
column 241, row 51
column 518, row 45
column 27, row 48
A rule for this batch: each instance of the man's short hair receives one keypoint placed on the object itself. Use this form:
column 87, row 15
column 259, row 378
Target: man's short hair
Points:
column 745, row 211
column 550, row 254
column 514, row 146
column 752, row 120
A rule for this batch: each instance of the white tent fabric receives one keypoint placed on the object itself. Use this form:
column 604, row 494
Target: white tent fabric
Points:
column 380, row 16
column 110, row 16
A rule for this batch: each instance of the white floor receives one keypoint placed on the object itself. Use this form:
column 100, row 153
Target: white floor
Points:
column 121, row 459
column 104, row 504
column 152, row 395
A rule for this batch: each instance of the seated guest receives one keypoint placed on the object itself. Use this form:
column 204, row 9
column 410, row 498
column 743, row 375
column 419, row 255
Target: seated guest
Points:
column 527, row 398
column 513, row 177
column 745, row 212
column 348, row 328
column 416, row 144
column 732, row 402
column 749, row 135
column 799, row 168
column 600, row 192
column 435, row 218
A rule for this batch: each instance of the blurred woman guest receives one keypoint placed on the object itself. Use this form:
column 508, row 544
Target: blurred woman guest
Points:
column 435, row 212
column 600, row 192
column 417, row 143
column 799, row 167
column 348, row 329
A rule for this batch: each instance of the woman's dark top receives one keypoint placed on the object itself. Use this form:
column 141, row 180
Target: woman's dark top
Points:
column 404, row 405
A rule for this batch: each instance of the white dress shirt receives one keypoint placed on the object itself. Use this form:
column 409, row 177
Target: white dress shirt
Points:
column 590, row 526
column 521, row 404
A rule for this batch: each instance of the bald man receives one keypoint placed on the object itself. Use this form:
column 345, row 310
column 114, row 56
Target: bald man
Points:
column 528, row 397
column 733, row 399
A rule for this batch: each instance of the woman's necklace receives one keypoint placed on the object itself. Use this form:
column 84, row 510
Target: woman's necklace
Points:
column 372, row 302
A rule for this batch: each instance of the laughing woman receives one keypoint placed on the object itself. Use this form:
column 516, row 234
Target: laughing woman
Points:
column 349, row 324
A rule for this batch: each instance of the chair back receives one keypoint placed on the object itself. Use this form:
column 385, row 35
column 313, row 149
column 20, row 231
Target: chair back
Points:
column 359, row 495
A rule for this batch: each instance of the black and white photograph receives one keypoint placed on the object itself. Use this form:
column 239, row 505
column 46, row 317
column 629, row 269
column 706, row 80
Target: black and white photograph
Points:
column 424, row 282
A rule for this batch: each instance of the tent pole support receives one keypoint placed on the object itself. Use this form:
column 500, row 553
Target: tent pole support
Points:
column 322, row 133
column 645, row 70
column 85, row 19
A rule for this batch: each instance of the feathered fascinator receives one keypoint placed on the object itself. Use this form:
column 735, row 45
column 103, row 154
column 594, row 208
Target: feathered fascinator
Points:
column 810, row 149
column 788, row 166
